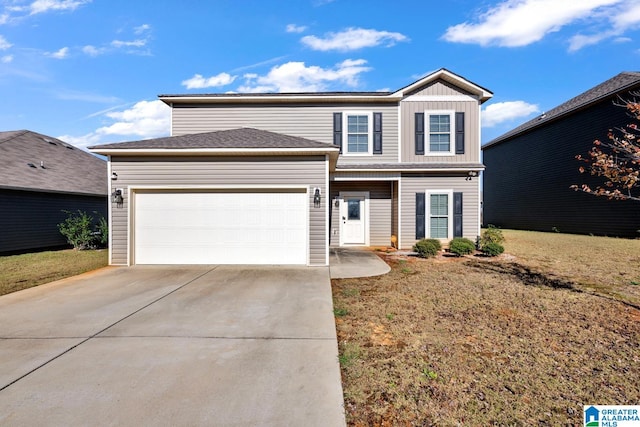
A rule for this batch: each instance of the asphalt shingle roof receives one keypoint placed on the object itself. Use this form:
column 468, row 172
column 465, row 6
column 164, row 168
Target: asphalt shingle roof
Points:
column 32, row 161
column 244, row 138
column 623, row 82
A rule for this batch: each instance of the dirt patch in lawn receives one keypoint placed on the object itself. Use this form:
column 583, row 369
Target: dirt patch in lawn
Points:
column 471, row 341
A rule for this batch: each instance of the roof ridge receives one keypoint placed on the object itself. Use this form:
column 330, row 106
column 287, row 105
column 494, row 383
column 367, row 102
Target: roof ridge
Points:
column 15, row 135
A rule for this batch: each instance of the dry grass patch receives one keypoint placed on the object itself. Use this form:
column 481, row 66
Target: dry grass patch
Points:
column 471, row 341
column 24, row 271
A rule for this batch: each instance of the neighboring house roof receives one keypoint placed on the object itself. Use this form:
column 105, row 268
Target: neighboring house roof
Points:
column 623, row 82
column 333, row 97
column 244, row 141
column 36, row 162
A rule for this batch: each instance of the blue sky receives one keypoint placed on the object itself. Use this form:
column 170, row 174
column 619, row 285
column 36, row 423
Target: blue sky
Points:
column 89, row 72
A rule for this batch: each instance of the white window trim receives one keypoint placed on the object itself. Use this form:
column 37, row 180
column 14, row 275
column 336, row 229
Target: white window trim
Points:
column 345, row 132
column 452, row 131
column 427, row 216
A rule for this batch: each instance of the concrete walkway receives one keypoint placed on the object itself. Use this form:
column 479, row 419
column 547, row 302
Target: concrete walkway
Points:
column 172, row 346
column 346, row 263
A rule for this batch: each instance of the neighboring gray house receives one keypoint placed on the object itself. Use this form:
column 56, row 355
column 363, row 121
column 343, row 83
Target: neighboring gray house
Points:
column 40, row 177
column 530, row 169
column 279, row 178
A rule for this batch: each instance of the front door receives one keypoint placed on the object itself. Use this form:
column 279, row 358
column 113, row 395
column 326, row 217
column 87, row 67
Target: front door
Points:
column 353, row 220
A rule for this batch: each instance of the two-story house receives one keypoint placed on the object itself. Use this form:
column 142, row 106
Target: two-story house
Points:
column 279, row 178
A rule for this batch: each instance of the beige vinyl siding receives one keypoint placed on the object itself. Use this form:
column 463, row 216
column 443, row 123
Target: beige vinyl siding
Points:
column 220, row 172
column 471, row 129
column 379, row 210
column 306, row 121
column 440, row 88
column 412, row 185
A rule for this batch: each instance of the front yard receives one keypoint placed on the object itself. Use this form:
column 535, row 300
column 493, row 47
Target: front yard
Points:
column 19, row 272
column 527, row 338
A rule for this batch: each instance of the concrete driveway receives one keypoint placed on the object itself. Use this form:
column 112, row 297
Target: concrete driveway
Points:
column 180, row 345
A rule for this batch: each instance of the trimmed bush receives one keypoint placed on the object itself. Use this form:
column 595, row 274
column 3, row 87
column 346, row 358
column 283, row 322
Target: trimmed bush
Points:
column 427, row 248
column 492, row 249
column 461, row 246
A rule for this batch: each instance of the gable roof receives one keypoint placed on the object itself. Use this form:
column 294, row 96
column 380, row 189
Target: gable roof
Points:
column 334, row 97
column 241, row 141
column 36, row 162
column 623, row 82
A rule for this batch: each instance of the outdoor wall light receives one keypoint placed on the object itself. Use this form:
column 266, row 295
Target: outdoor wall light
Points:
column 316, row 197
column 114, row 176
column 336, row 203
column 116, row 196
column 470, row 175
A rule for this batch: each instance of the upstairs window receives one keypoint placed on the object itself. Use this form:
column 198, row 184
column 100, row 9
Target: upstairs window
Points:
column 441, row 130
column 358, row 133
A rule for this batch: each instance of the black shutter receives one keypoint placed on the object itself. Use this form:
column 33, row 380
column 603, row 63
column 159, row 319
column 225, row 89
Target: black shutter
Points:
column 459, row 133
column 457, row 214
column 420, row 211
column 377, row 133
column 419, row 133
column 337, row 130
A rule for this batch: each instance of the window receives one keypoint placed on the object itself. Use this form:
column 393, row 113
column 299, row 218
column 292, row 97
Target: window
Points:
column 440, row 215
column 353, row 209
column 358, row 133
column 441, row 131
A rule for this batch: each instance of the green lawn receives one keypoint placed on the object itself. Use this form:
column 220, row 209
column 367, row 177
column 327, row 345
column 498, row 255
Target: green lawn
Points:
column 24, row 271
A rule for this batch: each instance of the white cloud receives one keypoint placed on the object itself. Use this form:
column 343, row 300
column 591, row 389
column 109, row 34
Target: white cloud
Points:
column 146, row 119
column 92, row 50
column 500, row 112
column 41, row 6
column 132, row 43
column 141, row 29
column 618, row 20
column 199, row 82
column 4, row 44
column 297, row 77
column 293, row 28
column 4, row 18
column 353, row 39
column 521, row 22
column 6, row 59
column 60, row 54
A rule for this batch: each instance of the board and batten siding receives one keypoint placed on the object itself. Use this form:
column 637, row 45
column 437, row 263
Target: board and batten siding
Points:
column 380, row 210
column 218, row 173
column 410, row 185
column 471, row 131
column 29, row 219
column 313, row 122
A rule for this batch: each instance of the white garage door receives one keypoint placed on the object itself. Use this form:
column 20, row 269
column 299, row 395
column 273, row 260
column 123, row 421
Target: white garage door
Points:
column 220, row 228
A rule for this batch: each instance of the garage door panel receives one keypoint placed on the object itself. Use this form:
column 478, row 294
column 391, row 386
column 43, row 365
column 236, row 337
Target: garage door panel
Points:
column 221, row 228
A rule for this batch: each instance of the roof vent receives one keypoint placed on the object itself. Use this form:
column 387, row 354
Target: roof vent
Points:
column 31, row 165
column 69, row 147
column 42, row 164
column 49, row 141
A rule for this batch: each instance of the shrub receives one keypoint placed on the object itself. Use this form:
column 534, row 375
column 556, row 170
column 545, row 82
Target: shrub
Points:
column 492, row 249
column 461, row 246
column 80, row 231
column 491, row 234
column 427, row 248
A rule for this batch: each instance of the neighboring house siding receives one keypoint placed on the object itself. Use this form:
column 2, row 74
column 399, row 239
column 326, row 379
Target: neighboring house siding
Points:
column 527, row 180
column 192, row 172
column 305, row 121
column 29, row 219
column 410, row 185
column 380, row 210
column 471, row 130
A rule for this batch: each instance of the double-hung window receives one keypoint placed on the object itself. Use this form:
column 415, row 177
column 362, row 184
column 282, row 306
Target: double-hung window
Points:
column 441, row 128
column 358, row 133
column 440, row 215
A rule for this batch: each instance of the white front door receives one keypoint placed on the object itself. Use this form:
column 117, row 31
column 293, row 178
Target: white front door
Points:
column 353, row 219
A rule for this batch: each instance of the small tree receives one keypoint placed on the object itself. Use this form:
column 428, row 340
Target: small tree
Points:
column 617, row 159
